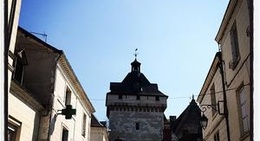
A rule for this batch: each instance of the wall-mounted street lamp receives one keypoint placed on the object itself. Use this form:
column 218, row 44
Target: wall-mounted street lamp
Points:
column 203, row 121
column 204, row 107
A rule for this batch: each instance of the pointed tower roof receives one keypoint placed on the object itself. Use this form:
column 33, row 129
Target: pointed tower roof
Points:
column 189, row 117
column 135, row 83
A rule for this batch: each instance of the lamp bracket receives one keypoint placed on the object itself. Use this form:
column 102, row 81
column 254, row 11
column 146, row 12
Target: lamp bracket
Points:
column 219, row 107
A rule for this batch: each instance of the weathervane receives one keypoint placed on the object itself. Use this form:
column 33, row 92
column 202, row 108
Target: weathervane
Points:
column 136, row 53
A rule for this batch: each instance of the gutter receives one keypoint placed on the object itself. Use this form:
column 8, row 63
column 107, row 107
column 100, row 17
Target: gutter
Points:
column 6, row 48
column 251, row 42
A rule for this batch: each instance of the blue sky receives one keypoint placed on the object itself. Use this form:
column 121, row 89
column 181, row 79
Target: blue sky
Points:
column 175, row 41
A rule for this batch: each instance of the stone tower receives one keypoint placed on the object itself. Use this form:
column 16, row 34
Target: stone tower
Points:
column 135, row 108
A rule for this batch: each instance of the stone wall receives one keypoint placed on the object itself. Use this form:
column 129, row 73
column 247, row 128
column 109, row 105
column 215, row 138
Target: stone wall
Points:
column 123, row 125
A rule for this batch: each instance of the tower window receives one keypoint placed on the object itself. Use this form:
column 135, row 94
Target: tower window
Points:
column 120, row 96
column 157, row 98
column 138, row 97
column 137, row 126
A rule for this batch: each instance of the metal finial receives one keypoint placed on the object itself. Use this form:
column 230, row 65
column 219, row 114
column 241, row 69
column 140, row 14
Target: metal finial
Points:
column 136, row 53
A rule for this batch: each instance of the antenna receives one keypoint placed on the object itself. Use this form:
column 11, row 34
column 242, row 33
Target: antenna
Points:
column 44, row 35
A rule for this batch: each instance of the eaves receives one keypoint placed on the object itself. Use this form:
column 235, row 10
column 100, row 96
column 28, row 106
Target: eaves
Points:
column 213, row 69
column 226, row 19
column 65, row 65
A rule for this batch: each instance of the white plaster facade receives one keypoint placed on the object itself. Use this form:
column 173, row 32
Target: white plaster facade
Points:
column 78, row 101
column 36, row 100
column 99, row 134
column 23, row 114
column 10, row 13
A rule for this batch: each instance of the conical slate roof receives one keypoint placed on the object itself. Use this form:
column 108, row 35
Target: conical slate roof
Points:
column 189, row 117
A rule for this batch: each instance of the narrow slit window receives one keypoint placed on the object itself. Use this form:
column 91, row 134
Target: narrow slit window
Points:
column 138, row 97
column 137, row 126
column 68, row 97
column 65, row 134
column 157, row 98
column 83, row 131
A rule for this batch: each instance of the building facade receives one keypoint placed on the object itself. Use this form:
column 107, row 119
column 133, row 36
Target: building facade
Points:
column 211, row 99
column 9, row 13
column 99, row 130
column 135, row 108
column 256, row 66
column 43, row 85
column 228, row 85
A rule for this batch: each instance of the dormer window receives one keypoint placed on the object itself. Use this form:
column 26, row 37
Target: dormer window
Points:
column 19, row 64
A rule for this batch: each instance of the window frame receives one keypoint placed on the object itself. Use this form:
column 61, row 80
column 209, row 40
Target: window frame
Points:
column 14, row 125
column 157, row 98
column 120, row 96
column 137, row 126
column 68, row 94
column 243, row 107
column 84, row 123
column 138, row 97
column 213, row 99
column 234, row 46
column 216, row 136
column 64, row 137
column 21, row 61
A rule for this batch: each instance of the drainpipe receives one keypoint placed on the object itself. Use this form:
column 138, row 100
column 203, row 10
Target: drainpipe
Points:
column 251, row 46
column 224, row 94
column 5, row 58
